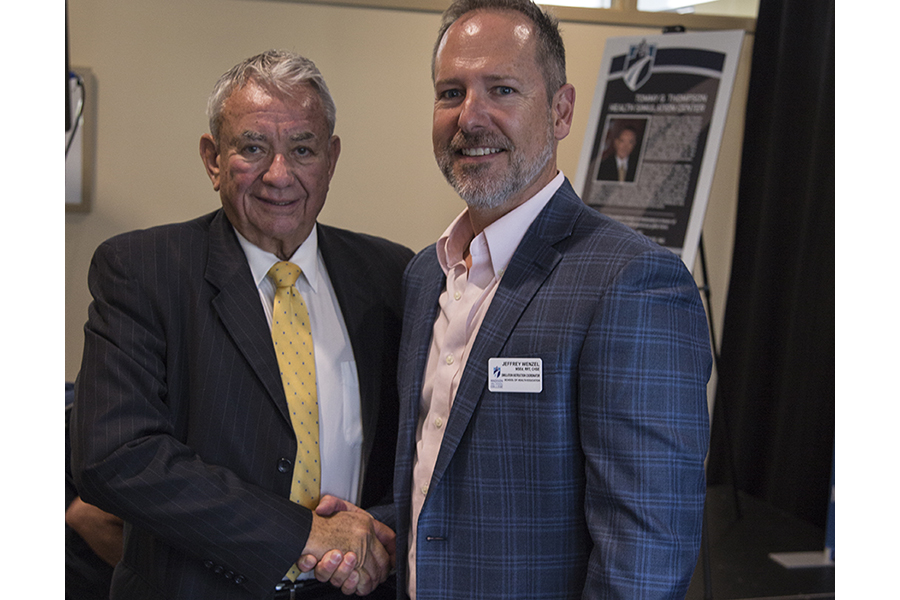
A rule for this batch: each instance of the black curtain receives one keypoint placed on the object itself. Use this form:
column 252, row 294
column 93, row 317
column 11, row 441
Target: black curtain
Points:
column 773, row 422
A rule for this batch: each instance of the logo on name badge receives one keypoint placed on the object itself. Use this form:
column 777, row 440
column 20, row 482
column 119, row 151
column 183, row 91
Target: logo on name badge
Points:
column 516, row 375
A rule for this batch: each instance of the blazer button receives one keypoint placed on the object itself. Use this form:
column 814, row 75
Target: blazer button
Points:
column 285, row 465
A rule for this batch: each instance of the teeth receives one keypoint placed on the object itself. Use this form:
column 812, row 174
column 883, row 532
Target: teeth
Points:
column 479, row 151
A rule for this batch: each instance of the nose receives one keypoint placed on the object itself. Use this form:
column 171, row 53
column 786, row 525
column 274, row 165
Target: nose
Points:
column 278, row 174
column 473, row 113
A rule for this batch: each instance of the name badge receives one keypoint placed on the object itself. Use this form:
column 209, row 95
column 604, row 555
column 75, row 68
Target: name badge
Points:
column 522, row 375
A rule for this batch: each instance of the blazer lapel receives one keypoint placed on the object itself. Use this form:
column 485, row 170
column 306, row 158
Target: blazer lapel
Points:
column 423, row 288
column 238, row 306
column 531, row 264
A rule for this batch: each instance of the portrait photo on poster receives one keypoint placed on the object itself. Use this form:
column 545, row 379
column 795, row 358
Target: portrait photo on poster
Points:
column 622, row 143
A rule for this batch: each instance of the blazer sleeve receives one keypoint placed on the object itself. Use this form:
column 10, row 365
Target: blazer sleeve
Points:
column 127, row 455
column 645, row 431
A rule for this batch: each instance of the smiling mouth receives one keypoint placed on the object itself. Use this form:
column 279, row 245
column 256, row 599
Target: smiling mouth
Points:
column 277, row 202
column 479, row 151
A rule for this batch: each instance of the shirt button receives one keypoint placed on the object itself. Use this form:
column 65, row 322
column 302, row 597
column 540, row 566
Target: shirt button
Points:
column 449, row 359
column 438, row 422
column 425, row 490
column 457, row 296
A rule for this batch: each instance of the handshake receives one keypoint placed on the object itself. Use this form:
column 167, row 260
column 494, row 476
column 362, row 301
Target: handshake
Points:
column 348, row 547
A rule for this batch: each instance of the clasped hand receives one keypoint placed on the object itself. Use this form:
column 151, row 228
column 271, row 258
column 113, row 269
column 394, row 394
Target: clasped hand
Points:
column 348, row 547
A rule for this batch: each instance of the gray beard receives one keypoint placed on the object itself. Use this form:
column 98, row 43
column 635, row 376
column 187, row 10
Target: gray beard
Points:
column 482, row 192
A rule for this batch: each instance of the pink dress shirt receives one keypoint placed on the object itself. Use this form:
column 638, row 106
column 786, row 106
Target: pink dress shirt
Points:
column 463, row 304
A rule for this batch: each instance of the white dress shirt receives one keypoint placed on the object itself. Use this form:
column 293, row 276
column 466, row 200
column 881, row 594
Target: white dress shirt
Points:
column 337, row 385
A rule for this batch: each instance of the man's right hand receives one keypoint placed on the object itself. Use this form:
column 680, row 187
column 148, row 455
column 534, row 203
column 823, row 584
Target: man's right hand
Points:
column 347, row 547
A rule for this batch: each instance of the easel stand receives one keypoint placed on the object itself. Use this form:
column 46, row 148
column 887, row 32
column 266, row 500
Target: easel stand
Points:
column 719, row 409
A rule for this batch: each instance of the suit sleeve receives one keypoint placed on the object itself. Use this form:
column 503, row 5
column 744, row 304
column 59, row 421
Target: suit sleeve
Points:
column 644, row 428
column 127, row 456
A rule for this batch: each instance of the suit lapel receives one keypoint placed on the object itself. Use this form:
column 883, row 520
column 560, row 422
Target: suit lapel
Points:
column 422, row 294
column 238, row 306
column 531, row 264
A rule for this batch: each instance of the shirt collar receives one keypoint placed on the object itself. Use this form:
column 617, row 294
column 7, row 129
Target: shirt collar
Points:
column 501, row 237
column 305, row 257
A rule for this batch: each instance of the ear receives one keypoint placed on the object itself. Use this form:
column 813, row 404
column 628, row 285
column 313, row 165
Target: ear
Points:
column 334, row 151
column 563, row 109
column 209, row 154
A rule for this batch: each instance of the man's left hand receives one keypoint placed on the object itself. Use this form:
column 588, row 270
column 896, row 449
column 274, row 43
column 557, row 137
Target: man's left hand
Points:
column 341, row 569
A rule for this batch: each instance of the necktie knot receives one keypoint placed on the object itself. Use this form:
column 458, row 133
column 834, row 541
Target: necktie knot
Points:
column 284, row 274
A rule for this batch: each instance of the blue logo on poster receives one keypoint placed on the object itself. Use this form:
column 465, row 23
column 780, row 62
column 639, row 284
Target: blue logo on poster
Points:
column 639, row 65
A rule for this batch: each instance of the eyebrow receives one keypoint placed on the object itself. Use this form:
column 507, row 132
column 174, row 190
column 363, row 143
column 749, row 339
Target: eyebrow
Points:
column 253, row 136
column 303, row 136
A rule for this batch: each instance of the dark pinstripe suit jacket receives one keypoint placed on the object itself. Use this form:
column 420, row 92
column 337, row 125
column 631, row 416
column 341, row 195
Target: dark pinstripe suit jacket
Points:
column 594, row 487
column 180, row 424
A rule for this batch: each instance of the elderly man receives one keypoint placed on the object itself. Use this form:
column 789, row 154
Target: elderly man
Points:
column 239, row 367
column 553, row 365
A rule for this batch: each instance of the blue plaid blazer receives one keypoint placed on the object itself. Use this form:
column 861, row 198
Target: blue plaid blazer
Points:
column 594, row 487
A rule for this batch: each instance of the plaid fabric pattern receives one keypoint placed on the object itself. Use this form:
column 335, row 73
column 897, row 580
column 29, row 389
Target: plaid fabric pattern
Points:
column 594, row 487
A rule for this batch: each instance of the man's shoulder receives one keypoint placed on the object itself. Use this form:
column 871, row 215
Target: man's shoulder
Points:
column 598, row 238
column 185, row 232
column 589, row 221
column 165, row 251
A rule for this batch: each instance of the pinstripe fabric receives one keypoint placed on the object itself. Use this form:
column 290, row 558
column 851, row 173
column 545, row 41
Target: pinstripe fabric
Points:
column 594, row 487
column 180, row 422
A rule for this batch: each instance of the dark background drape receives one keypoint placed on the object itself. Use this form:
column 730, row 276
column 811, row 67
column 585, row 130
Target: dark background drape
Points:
column 773, row 422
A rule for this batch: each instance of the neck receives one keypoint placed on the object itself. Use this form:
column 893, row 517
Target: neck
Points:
column 480, row 218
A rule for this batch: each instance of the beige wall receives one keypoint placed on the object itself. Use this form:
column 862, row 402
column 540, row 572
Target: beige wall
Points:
column 155, row 62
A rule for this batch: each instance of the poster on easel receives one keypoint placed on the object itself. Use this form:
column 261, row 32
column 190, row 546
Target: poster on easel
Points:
column 654, row 132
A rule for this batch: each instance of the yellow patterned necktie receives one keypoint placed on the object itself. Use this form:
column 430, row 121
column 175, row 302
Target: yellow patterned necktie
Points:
column 292, row 336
